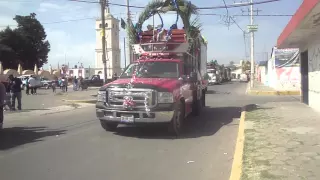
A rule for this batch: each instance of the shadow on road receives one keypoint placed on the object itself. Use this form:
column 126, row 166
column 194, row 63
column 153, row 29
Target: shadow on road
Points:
column 216, row 92
column 207, row 124
column 17, row 136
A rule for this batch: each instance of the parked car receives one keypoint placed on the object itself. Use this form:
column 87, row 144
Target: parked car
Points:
column 46, row 83
column 24, row 79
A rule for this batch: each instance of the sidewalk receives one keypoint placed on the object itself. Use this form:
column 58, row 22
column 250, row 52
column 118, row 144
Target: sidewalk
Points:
column 261, row 89
column 282, row 141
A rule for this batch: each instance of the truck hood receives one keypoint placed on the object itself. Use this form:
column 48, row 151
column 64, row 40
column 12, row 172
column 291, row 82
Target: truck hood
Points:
column 159, row 84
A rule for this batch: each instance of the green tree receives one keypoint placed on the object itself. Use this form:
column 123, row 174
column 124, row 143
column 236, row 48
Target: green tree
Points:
column 231, row 63
column 26, row 44
column 246, row 66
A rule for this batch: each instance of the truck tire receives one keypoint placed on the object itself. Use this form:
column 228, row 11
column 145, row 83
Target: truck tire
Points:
column 203, row 99
column 197, row 106
column 108, row 126
column 176, row 123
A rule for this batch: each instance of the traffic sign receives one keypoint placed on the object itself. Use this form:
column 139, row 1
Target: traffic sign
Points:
column 252, row 28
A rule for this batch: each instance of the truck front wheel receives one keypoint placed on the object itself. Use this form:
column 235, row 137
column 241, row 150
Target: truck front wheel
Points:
column 175, row 125
column 108, row 126
column 197, row 106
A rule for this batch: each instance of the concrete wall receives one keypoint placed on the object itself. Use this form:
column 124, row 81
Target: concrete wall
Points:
column 314, row 74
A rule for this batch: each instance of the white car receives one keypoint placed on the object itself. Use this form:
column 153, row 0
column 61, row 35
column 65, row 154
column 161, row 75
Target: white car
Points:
column 243, row 78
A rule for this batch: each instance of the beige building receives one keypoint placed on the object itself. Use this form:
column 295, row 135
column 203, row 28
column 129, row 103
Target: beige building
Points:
column 113, row 55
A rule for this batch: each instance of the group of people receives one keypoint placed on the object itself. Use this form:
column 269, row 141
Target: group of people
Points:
column 10, row 91
column 31, row 85
column 63, row 84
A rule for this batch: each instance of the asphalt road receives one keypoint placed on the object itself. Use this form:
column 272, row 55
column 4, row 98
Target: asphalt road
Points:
column 73, row 146
column 45, row 98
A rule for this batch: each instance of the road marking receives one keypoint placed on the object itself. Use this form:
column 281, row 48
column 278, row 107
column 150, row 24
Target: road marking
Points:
column 236, row 170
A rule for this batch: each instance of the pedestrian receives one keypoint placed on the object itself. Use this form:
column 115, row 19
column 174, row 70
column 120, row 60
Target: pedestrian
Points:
column 2, row 99
column 75, row 83
column 32, row 84
column 27, row 86
column 63, row 84
column 15, row 88
column 66, row 84
column 54, row 85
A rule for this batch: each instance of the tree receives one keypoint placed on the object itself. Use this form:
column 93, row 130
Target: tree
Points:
column 246, row 66
column 231, row 63
column 26, row 44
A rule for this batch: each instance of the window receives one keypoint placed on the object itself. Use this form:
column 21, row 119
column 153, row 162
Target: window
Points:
column 153, row 70
column 112, row 25
column 100, row 25
column 106, row 24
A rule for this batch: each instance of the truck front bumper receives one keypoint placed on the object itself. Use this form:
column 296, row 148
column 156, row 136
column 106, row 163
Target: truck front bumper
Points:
column 139, row 116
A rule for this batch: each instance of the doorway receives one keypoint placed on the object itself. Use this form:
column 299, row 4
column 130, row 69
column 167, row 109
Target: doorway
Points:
column 304, row 77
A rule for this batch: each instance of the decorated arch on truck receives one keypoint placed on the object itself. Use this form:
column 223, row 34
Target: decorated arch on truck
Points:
column 184, row 9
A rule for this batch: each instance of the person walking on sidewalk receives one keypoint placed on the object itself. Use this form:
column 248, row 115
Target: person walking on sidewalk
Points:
column 2, row 99
column 15, row 85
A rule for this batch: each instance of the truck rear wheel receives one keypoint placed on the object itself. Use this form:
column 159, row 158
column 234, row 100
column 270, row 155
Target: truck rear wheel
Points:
column 108, row 126
column 175, row 125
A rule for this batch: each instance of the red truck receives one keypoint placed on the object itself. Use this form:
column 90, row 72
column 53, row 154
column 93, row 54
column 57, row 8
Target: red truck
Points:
column 163, row 85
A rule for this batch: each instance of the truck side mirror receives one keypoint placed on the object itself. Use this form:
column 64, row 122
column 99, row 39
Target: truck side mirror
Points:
column 193, row 77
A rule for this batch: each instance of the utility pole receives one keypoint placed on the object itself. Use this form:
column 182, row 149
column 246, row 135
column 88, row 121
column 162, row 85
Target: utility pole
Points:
column 103, row 4
column 124, row 52
column 251, row 28
column 252, row 45
column 128, row 24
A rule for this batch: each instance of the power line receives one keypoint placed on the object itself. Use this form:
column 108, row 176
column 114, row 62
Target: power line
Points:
column 213, row 7
column 262, row 15
column 58, row 22
column 90, row 18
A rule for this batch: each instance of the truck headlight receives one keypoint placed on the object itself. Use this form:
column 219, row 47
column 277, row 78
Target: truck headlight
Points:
column 102, row 96
column 165, row 97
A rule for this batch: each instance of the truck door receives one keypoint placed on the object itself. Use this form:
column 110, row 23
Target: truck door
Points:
column 186, row 90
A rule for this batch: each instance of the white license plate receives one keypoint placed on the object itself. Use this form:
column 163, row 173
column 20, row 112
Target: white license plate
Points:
column 127, row 119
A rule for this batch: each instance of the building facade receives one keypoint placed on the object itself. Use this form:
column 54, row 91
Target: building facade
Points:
column 113, row 54
column 303, row 32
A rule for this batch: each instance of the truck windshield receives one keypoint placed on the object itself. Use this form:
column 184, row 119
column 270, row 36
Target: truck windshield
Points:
column 152, row 70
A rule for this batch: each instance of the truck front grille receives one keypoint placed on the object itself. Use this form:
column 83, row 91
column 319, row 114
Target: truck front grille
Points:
column 116, row 96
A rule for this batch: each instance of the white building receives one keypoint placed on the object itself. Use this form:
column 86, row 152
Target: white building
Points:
column 303, row 32
column 112, row 46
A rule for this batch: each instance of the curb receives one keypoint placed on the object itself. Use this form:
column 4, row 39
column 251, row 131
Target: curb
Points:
column 80, row 101
column 275, row 93
column 236, row 170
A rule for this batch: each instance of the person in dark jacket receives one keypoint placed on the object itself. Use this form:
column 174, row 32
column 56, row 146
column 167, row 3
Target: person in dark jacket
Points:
column 15, row 89
column 2, row 99
column 27, row 86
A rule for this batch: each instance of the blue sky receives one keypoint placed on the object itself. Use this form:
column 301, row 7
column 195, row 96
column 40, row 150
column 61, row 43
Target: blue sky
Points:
column 75, row 40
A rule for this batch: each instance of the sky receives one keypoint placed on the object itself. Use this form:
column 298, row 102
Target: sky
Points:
column 70, row 27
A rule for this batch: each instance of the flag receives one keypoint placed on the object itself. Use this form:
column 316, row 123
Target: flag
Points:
column 123, row 24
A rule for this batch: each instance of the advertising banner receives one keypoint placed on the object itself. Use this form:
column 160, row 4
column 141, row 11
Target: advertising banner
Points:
column 286, row 57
